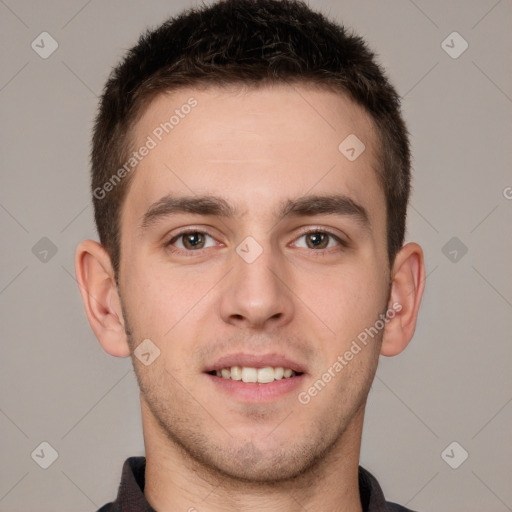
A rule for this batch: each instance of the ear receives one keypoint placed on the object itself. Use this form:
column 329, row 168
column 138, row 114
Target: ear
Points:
column 95, row 277
column 407, row 284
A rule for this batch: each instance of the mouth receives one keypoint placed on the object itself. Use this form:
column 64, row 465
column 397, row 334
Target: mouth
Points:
column 254, row 375
column 255, row 378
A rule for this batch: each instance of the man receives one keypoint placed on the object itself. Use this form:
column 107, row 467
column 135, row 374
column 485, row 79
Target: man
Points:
column 250, row 178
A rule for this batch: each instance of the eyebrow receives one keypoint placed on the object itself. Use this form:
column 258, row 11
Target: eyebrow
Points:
column 309, row 205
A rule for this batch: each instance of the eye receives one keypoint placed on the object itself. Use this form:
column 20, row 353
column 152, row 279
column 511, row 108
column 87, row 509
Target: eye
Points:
column 190, row 241
column 320, row 240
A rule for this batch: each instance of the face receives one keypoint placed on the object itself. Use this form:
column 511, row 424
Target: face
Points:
column 278, row 271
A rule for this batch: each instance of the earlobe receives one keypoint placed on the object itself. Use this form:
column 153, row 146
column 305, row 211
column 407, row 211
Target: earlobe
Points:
column 407, row 284
column 95, row 277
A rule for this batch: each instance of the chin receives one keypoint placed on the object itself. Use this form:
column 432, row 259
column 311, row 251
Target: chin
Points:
column 260, row 463
column 250, row 465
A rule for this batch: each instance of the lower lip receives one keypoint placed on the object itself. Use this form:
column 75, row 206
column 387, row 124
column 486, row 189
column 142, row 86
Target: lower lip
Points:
column 257, row 393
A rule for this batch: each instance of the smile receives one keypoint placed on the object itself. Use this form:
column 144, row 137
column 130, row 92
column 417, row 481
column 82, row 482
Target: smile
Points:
column 248, row 374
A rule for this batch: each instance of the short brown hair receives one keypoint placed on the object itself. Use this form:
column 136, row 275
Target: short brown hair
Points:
column 253, row 43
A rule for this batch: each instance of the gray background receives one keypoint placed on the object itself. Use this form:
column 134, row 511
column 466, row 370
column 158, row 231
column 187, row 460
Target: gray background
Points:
column 453, row 383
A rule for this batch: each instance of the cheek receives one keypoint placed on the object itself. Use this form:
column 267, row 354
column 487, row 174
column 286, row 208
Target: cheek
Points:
column 167, row 307
column 151, row 301
column 347, row 300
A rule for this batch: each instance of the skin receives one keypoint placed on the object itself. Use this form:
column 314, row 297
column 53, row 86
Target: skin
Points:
column 206, row 449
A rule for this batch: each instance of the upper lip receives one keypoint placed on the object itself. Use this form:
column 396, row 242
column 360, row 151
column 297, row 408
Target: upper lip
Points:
column 255, row 361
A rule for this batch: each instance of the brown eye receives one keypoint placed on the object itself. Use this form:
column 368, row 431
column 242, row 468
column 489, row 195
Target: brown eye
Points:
column 190, row 241
column 193, row 240
column 319, row 240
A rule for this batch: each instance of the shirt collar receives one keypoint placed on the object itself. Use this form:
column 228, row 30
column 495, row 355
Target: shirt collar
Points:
column 131, row 497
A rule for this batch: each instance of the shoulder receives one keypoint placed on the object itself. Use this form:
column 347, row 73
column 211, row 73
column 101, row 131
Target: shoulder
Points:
column 372, row 496
column 130, row 495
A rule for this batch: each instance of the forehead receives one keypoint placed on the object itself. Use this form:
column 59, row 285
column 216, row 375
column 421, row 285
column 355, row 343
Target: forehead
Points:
column 254, row 144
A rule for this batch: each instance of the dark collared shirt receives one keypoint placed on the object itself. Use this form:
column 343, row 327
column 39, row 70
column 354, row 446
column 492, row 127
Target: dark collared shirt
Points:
column 130, row 497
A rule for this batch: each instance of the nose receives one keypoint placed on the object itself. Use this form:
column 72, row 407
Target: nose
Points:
column 257, row 293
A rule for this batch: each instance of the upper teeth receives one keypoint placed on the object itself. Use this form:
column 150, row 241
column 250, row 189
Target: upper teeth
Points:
column 260, row 375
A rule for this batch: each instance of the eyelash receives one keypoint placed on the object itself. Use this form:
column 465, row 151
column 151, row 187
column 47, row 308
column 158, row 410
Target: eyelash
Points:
column 319, row 252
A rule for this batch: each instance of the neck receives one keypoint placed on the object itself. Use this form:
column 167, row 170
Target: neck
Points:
column 175, row 481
